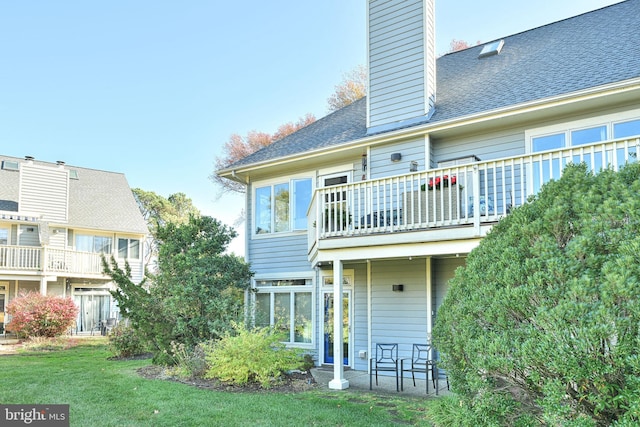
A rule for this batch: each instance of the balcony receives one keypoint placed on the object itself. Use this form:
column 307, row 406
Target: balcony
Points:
column 471, row 195
column 45, row 260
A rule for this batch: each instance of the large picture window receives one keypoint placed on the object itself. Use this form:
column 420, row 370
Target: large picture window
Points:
column 286, row 305
column 96, row 244
column 282, row 207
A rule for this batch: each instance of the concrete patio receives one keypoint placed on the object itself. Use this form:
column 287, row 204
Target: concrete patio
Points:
column 359, row 381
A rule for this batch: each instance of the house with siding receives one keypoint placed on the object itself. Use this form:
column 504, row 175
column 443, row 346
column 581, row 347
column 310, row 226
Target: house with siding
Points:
column 56, row 221
column 356, row 223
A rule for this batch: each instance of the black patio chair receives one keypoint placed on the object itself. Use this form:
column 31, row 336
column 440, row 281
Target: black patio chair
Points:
column 386, row 360
column 421, row 361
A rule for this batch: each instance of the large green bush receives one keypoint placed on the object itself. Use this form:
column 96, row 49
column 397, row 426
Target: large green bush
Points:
column 249, row 356
column 196, row 294
column 544, row 317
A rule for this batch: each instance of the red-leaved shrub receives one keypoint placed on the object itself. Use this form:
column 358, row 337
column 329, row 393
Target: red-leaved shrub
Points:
column 36, row 315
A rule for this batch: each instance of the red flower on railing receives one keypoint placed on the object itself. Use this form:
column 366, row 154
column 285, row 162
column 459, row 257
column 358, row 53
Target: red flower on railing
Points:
column 441, row 181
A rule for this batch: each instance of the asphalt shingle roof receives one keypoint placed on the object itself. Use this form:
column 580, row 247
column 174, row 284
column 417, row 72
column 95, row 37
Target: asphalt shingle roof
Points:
column 98, row 200
column 582, row 52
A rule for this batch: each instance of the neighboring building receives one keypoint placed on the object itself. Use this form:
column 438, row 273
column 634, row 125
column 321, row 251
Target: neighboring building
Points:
column 56, row 221
column 378, row 203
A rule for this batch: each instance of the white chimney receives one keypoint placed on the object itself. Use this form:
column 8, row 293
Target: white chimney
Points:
column 402, row 63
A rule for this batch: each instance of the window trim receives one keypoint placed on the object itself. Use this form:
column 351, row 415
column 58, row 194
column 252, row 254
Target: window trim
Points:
column 607, row 120
column 271, row 183
column 128, row 255
column 291, row 290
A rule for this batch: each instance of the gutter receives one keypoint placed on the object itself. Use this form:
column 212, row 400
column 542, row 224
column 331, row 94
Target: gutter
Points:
column 510, row 111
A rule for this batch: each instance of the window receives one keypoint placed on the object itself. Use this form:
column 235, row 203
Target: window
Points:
column 129, row 248
column 282, row 207
column 10, row 165
column 577, row 134
column 95, row 244
column 626, row 129
column 4, row 236
column 586, row 135
column 492, row 48
column 287, row 305
column 569, row 138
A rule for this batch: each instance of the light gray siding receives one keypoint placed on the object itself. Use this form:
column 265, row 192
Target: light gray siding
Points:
column 359, row 320
column 382, row 166
column 397, row 70
column 44, row 191
column 399, row 317
column 279, row 254
column 443, row 271
column 28, row 235
column 487, row 146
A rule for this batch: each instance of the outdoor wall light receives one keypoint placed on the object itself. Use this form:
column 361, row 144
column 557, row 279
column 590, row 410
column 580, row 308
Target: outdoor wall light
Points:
column 396, row 157
column 397, row 288
column 413, row 166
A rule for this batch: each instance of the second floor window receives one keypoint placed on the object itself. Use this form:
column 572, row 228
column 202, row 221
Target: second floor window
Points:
column 282, row 207
column 96, row 244
column 129, row 248
column 571, row 138
column 4, row 236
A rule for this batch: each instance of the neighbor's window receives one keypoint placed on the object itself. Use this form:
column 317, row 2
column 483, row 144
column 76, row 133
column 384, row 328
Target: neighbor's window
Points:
column 286, row 305
column 129, row 248
column 282, row 207
column 96, row 244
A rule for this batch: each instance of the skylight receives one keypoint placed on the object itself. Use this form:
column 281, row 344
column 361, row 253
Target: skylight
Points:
column 10, row 165
column 492, row 48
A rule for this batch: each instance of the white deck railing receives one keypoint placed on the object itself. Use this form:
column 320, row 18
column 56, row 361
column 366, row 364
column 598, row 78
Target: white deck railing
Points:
column 45, row 259
column 470, row 194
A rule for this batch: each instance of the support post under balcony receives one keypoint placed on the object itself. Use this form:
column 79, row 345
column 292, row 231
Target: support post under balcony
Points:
column 339, row 382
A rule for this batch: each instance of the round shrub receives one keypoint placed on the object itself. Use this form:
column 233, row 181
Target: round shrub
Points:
column 36, row 315
column 251, row 356
column 542, row 321
column 125, row 341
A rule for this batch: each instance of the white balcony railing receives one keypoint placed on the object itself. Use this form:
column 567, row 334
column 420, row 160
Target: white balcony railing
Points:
column 45, row 259
column 471, row 194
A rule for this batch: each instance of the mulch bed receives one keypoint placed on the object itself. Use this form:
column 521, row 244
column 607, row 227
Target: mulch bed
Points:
column 291, row 383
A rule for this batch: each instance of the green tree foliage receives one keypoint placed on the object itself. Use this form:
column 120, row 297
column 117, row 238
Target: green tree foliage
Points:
column 543, row 320
column 197, row 292
column 159, row 211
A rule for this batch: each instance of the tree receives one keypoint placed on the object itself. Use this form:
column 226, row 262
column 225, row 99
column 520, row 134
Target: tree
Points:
column 457, row 45
column 158, row 211
column 197, row 293
column 352, row 88
column 541, row 324
column 238, row 147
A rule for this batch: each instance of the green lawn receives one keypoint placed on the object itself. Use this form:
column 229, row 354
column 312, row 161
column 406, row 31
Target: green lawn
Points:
column 104, row 392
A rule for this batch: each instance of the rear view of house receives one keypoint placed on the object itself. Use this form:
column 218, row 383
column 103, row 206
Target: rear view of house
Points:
column 56, row 221
column 357, row 221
